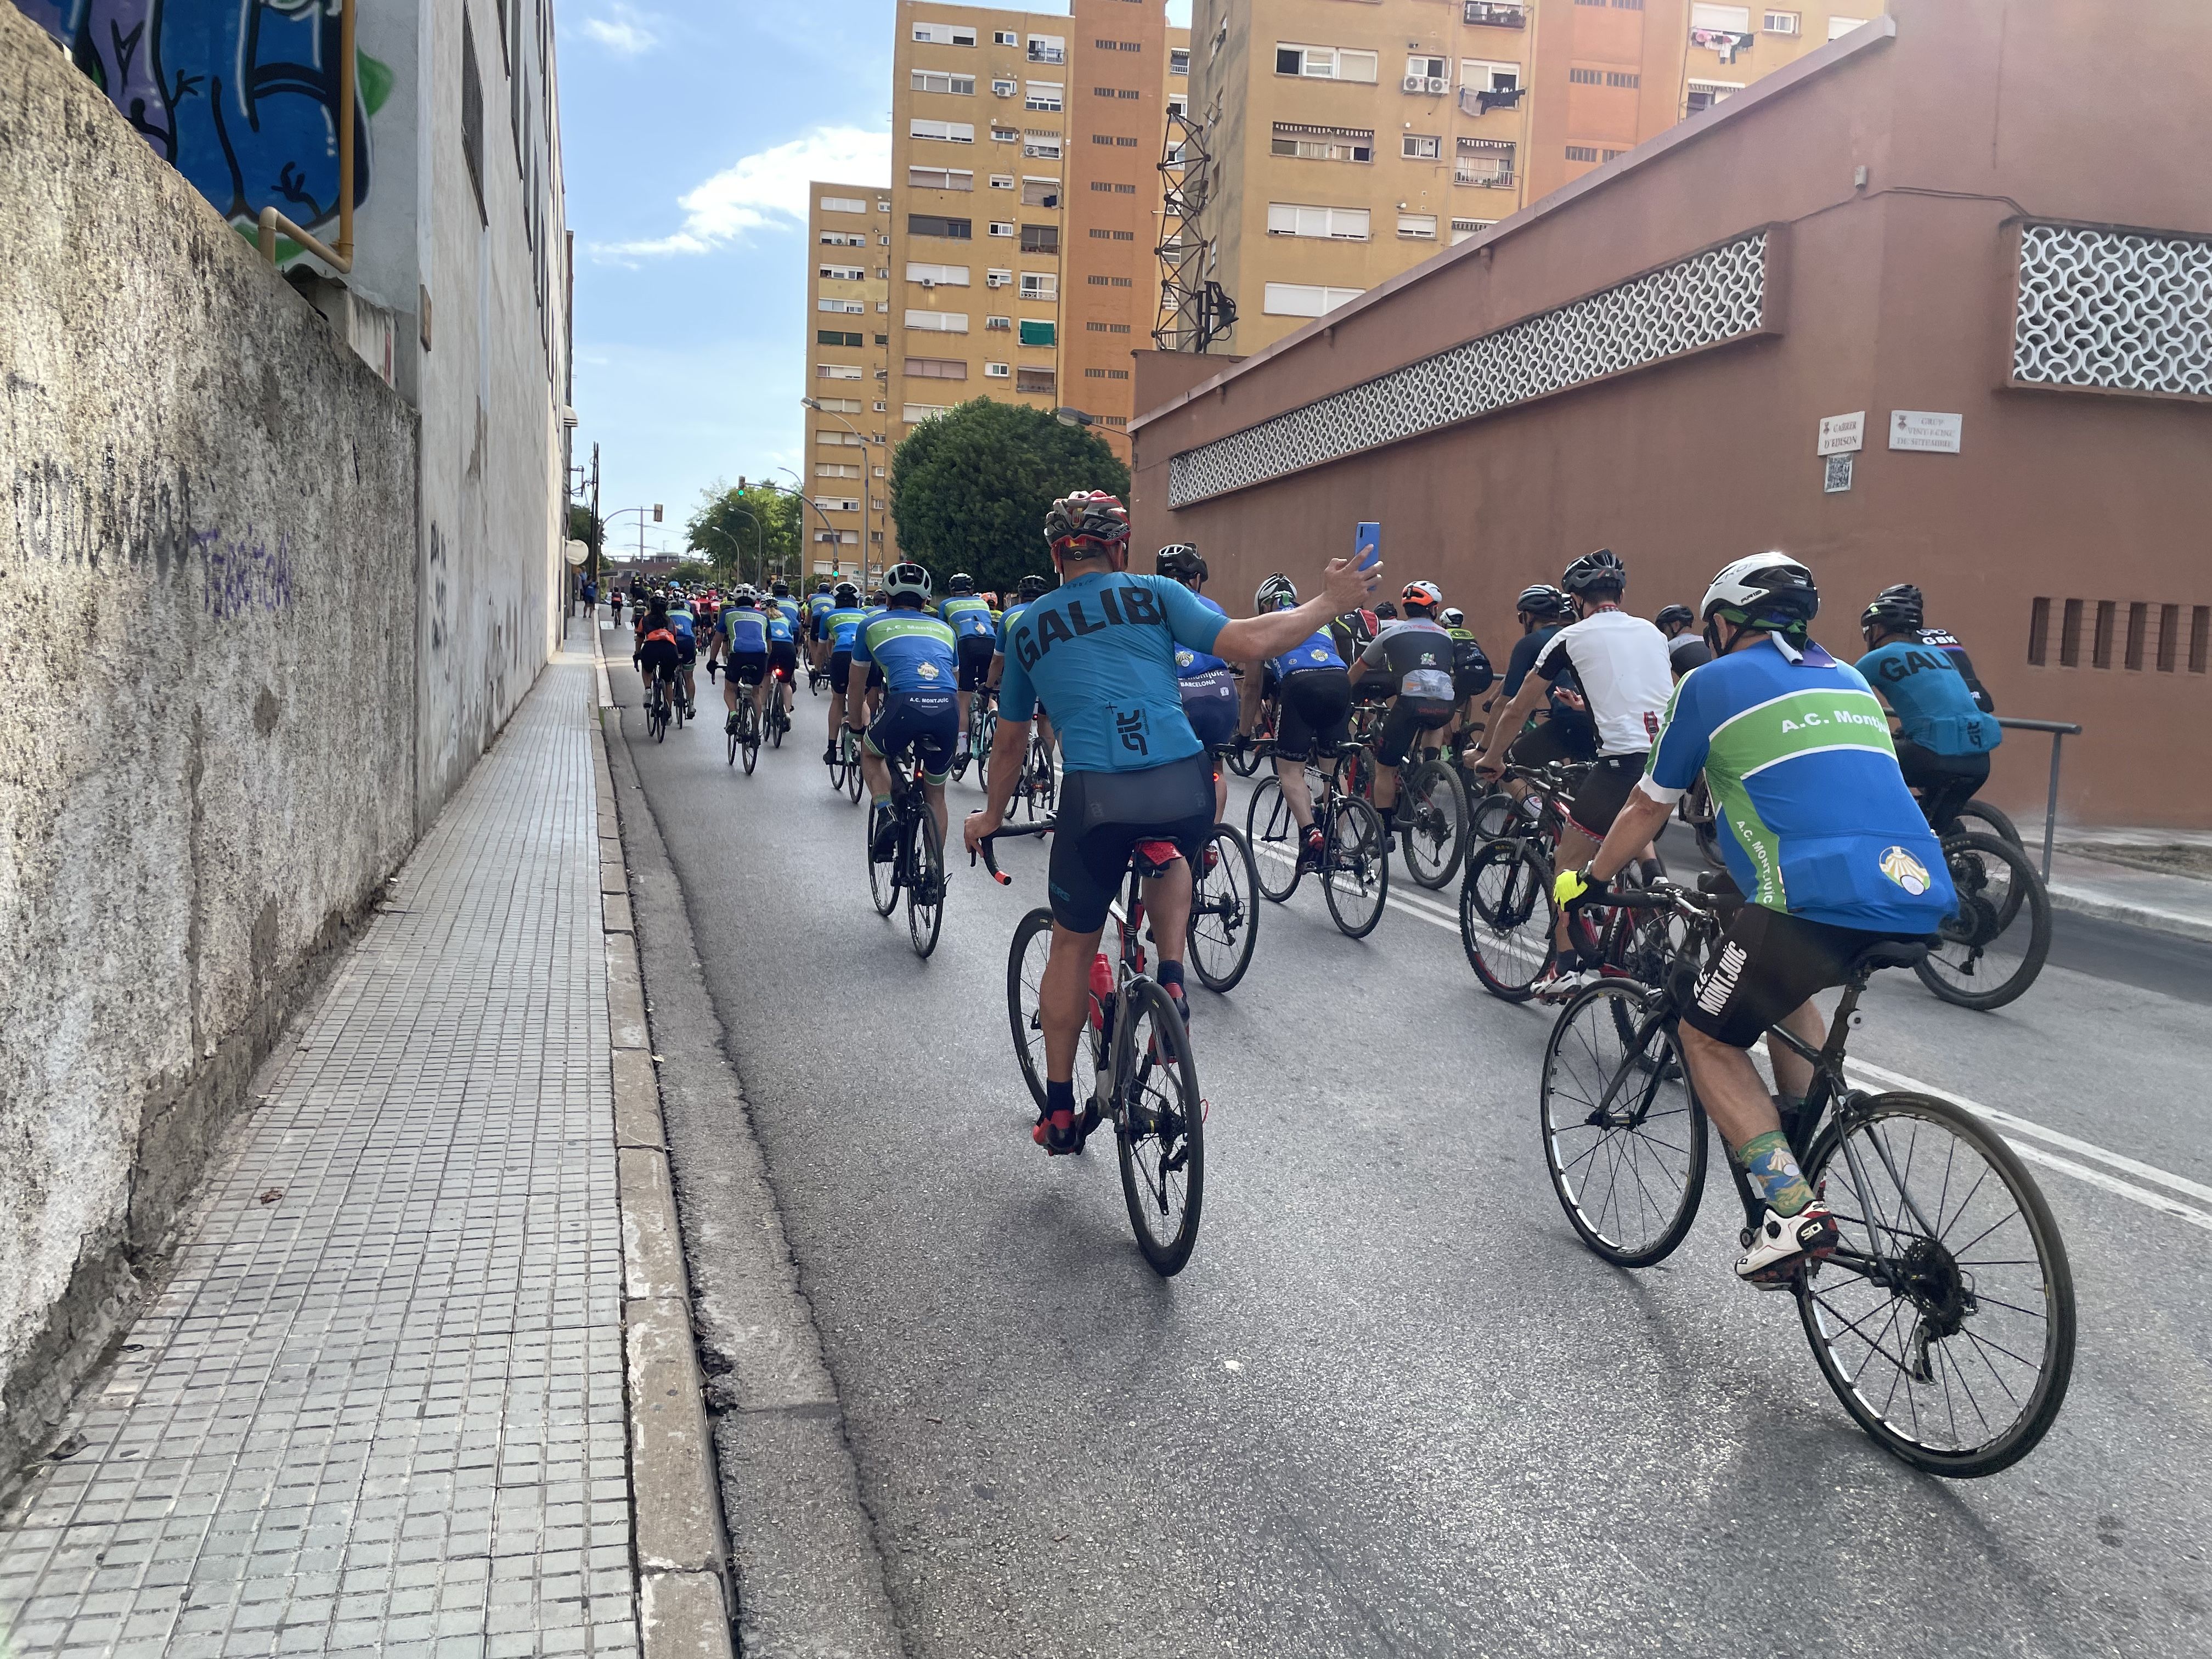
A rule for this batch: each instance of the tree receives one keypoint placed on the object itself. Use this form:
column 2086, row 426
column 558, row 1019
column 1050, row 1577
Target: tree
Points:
column 971, row 486
column 740, row 531
column 689, row 571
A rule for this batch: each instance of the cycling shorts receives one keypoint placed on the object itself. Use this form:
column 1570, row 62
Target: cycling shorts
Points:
column 1209, row 702
column 746, row 667
column 1546, row 742
column 875, row 675
column 686, row 653
column 1603, row 792
column 1102, row 817
column 928, row 721
column 1943, row 782
column 840, row 661
column 655, row 654
column 1315, row 706
column 783, row 659
column 973, row 654
column 1408, row 716
column 1767, row 964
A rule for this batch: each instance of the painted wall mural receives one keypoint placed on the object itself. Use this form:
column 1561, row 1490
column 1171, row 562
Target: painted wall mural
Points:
column 240, row 96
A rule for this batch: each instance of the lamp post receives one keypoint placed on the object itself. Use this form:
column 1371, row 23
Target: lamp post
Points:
column 867, row 478
column 654, row 509
column 1074, row 418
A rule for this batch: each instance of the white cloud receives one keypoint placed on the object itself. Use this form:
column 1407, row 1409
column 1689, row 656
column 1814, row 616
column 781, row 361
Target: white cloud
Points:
column 627, row 33
column 766, row 190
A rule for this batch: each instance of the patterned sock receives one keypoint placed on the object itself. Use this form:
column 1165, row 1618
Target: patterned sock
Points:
column 1773, row 1169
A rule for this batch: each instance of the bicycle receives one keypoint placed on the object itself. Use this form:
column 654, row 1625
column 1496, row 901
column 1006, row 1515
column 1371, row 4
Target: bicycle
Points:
column 1355, row 860
column 1507, row 923
column 1981, row 961
column 779, row 719
column 1943, row 1233
column 659, row 702
column 1034, row 788
column 1144, row 1079
column 1255, row 745
column 1432, row 820
column 1224, row 923
column 746, row 738
column 982, row 730
column 916, row 865
column 845, row 764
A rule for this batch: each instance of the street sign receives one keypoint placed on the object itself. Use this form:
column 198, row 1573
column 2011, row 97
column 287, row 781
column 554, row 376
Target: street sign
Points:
column 1838, row 477
column 1842, row 433
column 1925, row 430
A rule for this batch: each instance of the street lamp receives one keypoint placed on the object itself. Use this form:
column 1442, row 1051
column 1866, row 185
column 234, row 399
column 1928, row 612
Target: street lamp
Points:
column 1074, row 418
column 654, row 509
column 867, row 479
column 807, row 500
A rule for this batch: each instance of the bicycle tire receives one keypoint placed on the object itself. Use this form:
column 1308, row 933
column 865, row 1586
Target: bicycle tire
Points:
column 2024, row 1263
column 882, row 873
column 925, row 865
column 1272, row 834
column 1159, row 1138
column 1506, row 919
column 1225, row 922
column 1244, row 759
column 1998, row 821
column 1982, row 922
column 854, row 778
column 1432, row 824
column 749, row 736
column 730, row 744
column 837, row 768
column 1026, row 955
column 1624, row 1134
column 1355, row 877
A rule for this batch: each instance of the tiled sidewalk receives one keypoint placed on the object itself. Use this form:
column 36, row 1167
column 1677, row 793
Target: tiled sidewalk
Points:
column 380, row 1406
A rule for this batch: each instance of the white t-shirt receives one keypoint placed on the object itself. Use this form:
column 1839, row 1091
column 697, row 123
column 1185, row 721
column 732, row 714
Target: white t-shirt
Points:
column 1622, row 663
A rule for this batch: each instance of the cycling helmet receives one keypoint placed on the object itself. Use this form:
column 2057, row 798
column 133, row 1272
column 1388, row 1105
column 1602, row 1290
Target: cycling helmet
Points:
column 1086, row 515
column 1895, row 610
column 1278, row 593
column 1673, row 618
column 1421, row 596
column 822, row 584
column 1453, row 617
column 779, row 588
column 1180, row 561
column 1767, row 590
column 960, row 582
column 907, row 578
column 746, row 599
column 847, row 594
column 1595, row 572
column 1031, row 587
column 1387, row 612
column 1542, row 601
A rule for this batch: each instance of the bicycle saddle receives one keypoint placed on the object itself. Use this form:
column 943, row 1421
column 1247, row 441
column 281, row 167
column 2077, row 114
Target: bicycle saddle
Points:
column 1890, row 953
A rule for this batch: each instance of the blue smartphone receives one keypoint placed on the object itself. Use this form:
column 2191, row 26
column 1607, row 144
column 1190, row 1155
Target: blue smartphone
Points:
column 1367, row 545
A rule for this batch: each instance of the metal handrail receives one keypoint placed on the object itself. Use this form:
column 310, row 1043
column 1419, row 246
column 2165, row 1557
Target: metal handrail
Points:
column 2060, row 730
column 339, row 258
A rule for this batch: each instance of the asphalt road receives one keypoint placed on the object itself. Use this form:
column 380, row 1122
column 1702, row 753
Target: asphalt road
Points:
column 1393, row 1406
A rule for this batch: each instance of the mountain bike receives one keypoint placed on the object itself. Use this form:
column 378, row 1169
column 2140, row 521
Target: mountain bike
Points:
column 1944, row 1319
column 1136, row 1055
column 916, row 865
column 1355, row 859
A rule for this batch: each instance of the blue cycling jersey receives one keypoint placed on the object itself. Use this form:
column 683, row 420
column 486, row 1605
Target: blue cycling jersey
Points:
column 838, row 626
column 1007, row 618
column 1814, row 816
column 1190, row 663
column 681, row 624
column 789, row 607
column 746, row 630
column 1319, row 651
column 914, row 648
column 1934, row 703
column 780, row 628
column 1100, row 651
column 968, row 616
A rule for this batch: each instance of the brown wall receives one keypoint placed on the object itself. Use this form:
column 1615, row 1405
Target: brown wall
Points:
column 1893, row 298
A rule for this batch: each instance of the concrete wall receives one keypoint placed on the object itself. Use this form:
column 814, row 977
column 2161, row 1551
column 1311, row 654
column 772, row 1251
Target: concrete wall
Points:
column 207, row 693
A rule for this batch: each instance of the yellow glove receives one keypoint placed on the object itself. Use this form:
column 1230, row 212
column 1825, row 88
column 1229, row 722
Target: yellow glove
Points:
column 1570, row 885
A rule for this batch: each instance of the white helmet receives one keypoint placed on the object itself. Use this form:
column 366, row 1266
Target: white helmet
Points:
column 1767, row 590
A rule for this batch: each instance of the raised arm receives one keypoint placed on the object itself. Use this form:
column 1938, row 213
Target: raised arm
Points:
column 1253, row 639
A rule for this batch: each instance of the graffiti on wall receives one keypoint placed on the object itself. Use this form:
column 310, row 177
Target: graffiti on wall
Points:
column 240, row 96
column 243, row 574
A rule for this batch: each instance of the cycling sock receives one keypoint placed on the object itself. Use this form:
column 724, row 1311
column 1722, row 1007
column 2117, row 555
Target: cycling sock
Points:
column 1773, row 1169
column 1170, row 976
column 1652, row 869
column 1059, row 1097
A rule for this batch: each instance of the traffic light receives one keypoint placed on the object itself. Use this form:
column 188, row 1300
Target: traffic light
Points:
column 656, row 513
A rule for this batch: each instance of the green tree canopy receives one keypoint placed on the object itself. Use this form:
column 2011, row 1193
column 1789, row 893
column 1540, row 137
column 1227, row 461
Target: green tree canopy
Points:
column 969, row 488
column 740, row 531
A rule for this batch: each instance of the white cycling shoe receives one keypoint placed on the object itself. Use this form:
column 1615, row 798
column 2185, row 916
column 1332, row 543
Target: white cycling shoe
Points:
column 1780, row 1245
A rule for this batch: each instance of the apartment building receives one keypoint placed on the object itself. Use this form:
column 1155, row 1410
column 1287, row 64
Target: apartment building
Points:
column 1350, row 141
column 848, row 289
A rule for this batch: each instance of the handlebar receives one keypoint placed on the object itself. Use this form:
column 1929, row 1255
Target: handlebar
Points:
column 991, row 862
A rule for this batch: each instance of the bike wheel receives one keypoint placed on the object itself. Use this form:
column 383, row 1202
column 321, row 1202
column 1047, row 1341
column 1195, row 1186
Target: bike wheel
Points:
column 883, row 874
column 1990, row 951
column 1493, row 817
column 749, row 736
column 731, row 745
column 1990, row 820
column 925, row 897
column 1432, row 818
column 1944, row 1322
column 1356, row 873
column 853, row 778
column 1272, row 834
column 1244, row 759
column 837, row 768
column 1025, row 961
column 1159, row 1129
column 1506, row 917
column 1223, row 920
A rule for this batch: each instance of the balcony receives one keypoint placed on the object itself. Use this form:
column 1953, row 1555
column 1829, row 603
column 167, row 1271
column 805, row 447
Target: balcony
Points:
column 1497, row 17
column 1041, row 53
column 1489, row 178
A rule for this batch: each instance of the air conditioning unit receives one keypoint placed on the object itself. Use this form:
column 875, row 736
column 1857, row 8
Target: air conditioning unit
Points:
column 996, row 280
column 929, row 282
column 1417, row 83
column 1438, row 83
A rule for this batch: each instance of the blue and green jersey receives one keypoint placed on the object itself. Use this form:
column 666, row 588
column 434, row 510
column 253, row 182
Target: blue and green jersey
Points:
column 838, row 626
column 914, row 649
column 968, row 616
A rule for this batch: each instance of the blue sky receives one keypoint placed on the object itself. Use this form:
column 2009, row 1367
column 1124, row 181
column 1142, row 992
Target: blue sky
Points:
column 690, row 129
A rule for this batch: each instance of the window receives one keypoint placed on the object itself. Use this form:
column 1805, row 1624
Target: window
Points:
column 938, row 322
column 1040, row 239
column 1704, row 95
column 1484, row 75
column 1002, row 228
column 932, row 224
column 1323, row 143
column 1036, row 332
column 837, row 439
column 1464, row 229
column 1623, row 78
column 1338, row 224
column 1041, row 146
column 999, row 324
column 1102, row 139
column 1043, row 94
column 836, row 469
column 936, row 368
column 941, row 275
column 1326, row 63
column 1421, row 147
column 911, row 412
column 1113, row 235
column 1783, row 22
column 951, row 132
column 839, row 406
column 1002, row 181
column 845, row 307
column 1424, row 70
column 1004, row 135
column 1736, row 20
column 945, row 34
column 472, row 114
column 1486, row 161
column 1611, row 155
column 1005, row 38
column 1178, row 60
column 1035, row 380
column 998, row 371
column 1040, row 192
column 934, row 81
column 1105, row 373
column 837, row 504
column 843, row 273
column 1047, row 49
column 843, row 239
column 1040, row 285
column 1177, row 106
column 940, row 178
column 1587, row 77
column 837, row 372
column 1841, row 27
column 835, row 338
column 1423, row 225
column 1107, row 328
column 1305, row 299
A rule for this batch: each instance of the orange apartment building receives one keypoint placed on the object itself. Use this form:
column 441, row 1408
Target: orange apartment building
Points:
column 848, row 247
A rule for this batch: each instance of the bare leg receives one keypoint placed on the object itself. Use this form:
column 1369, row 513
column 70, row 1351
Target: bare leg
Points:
column 1167, row 901
column 1063, row 998
column 1292, row 774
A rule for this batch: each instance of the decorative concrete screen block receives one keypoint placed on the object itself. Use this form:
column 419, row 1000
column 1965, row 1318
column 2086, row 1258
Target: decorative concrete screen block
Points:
column 1705, row 299
column 2115, row 311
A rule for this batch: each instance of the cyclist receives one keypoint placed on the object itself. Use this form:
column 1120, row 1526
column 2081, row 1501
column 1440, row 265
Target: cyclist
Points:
column 658, row 655
column 1943, row 639
column 1620, row 662
column 1827, row 844
column 819, row 603
column 1685, row 649
column 974, row 637
column 919, row 663
column 1209, row 686
column 685, row 625
column 835, row 628
column 1944, row 739
column 742, row 633
column 1557, row 731
column 1027, row 592
column 1100, row 651
column 1312, row 693
column 1471, row 671
column 1413, row 658
column 779, row 592
column 1674, row 619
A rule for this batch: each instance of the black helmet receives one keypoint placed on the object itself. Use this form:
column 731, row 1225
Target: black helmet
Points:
column 960, row 582
column 1595, row 572
column 1675, row 616
column 1896, row 610
column 1180, row 560
column 1030, row 588
column 779, row 588
column 1767, row 590
column 1542, row 601
column 847, row 594
column 822, row 584
column 1086, row 515
column 1387, row 612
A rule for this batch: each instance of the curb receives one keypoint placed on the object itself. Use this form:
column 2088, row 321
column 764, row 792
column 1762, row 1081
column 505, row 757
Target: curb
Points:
column 685, row 1603
column 2135, row 915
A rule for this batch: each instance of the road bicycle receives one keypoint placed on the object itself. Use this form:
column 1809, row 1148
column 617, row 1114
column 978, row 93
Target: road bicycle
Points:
column 662, row 704
column 1036, row 789
column 1256, row 745
column 1355, row 858
column 779, row 719
column 1433, row 816
column 1507, row 923
column 1944, row 1319
column 845, row 764
column 1224, row 923
column 1133, row 1057
column 916, row 865
column 1992, row 947
column 982, row 730
column 744, row 739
